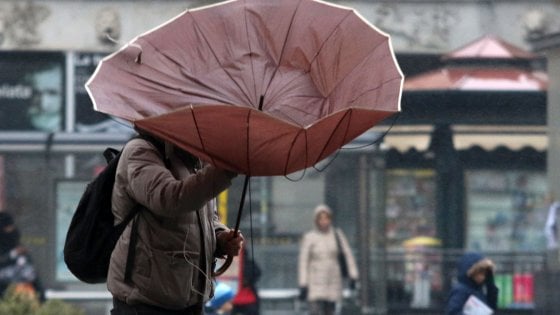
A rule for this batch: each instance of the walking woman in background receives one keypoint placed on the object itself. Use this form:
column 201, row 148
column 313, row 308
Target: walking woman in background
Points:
column 325, row 259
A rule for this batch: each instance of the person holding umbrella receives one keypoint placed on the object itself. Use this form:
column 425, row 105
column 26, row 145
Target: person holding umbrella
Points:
column 178, row 234
column 325, row 259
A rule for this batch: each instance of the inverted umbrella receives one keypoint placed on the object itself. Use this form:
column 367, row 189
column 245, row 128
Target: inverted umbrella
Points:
column 259, row 87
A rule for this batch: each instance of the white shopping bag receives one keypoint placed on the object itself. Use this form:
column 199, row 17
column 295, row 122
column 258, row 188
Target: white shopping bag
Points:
column 474, row 306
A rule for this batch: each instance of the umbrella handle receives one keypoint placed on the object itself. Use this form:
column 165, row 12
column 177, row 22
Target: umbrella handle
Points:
column 223, row 267
column 229, row 259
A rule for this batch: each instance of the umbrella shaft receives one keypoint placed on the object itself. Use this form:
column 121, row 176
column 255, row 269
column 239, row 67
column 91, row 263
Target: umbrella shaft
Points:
column 243, row 194
column 261, row 102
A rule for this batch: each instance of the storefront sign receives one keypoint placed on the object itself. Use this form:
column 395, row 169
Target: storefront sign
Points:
column 87, row 119
column 31, row 91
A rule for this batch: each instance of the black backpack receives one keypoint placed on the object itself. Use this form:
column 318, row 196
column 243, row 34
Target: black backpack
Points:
column 92, row 235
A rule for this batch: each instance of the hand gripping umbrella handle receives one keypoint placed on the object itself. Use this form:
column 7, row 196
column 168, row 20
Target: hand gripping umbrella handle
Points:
column 223, row 267
column 229, row 258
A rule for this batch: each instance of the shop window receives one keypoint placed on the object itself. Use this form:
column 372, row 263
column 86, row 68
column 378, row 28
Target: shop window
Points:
column 411, row 207
column 68, row 193
column 506, row 213
column 414, row 268
column 293, row 201
column 506, row 210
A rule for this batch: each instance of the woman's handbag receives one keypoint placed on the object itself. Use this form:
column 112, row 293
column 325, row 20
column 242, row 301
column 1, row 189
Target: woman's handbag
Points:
column 341, row 258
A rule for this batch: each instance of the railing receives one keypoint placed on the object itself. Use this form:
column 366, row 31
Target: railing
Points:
column 417, row 281
column 422, row 278
column 100, row 302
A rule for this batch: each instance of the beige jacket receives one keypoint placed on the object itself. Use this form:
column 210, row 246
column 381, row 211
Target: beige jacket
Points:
column 168, row 265
column 318, row 266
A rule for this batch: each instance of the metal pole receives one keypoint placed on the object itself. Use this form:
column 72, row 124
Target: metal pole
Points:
column 264, row 198
column 373, row 291
column 364, row 235
column 70, row 112
column 379, row 278
column 553, row 152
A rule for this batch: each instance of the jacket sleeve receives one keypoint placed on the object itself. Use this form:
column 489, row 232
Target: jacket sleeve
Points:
column 303, row 262
column 456, row 301
column 218, row 225
column 492, row 293
column 153, row 185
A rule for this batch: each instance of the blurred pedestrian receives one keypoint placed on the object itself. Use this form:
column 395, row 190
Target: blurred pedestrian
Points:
column 221, row 302
column 16, row 267
column 246, row 301
column 325, row 260
column 551, row 225
column 551, row 232
column 475, row 277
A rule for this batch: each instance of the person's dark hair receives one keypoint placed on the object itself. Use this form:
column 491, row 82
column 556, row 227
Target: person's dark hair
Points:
column 6, row 219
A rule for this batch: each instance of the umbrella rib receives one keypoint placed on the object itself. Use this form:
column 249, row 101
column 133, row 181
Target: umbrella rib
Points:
column 346, row 114
column 355, row 67
column 289, row 118
column 288, row 33
column 250, row 52
column 197, row 26
column 292, row 146
column 326, row 39
column 187, row 75
column 199, row 135
column 373, row 89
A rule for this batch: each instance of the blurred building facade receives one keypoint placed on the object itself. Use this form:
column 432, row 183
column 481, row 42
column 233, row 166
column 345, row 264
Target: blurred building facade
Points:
column 478, row 184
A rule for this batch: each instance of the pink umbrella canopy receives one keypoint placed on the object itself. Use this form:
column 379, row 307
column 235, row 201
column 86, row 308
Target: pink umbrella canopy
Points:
column 259, row 87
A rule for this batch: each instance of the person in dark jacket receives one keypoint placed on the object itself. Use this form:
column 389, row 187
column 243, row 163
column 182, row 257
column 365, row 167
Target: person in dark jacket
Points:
column 475, row 277
column 16, row 267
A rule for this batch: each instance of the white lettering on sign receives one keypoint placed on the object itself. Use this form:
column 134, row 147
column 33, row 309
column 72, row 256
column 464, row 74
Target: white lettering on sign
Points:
column 17, row 91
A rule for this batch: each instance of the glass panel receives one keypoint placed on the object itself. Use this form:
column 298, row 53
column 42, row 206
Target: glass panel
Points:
column 28, row 194
column 415, row 270
column 506, row 210
column 68, row 193
column 411, row 207
column 293, row 201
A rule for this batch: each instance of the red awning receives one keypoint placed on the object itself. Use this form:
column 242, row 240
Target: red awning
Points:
column 480, row 79
column 487, row 64
column 491, row 47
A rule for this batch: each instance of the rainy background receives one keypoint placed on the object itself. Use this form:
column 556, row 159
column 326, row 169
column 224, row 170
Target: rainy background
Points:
column 469, row 164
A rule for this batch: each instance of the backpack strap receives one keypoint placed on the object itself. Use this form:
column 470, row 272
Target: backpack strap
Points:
column 110, row 154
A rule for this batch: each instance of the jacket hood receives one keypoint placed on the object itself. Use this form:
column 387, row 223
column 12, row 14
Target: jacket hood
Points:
column 322, row 208
column 469, row 264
